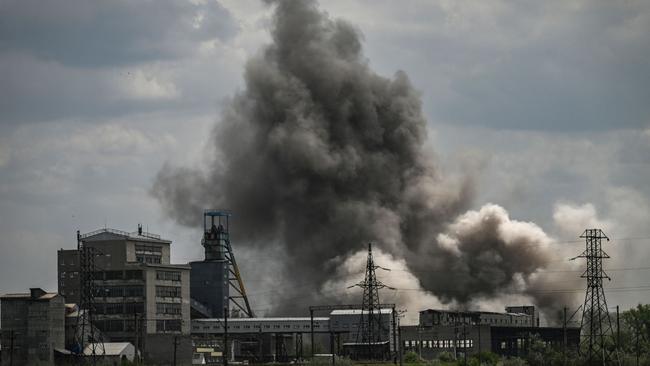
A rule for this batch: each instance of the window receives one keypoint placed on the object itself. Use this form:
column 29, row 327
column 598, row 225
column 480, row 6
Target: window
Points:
column 173, row 325
column 148, row 253
column 120, row 291
column 114, row 325
column 133, row 275
column 168, row 291
column 133, row 308
column 165, row 308
column 113, row 275
column 168, row 276
column 114, row 308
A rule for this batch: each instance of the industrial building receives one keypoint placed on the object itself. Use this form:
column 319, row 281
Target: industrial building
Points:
column 470, row 332
column 32, row 327
column 281, row 339
column 140, row 297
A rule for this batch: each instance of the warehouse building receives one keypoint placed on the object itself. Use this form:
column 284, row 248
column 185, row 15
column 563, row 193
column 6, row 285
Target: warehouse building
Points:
column 141, row 297
column 32, row 327
column 470, row 332
column 289, row 338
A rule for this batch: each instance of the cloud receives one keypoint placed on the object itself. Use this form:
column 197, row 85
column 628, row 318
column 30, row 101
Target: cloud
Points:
column 573, row 219
column 407, row 292
column 87, row 60
column 96, row 34
column 552, row 66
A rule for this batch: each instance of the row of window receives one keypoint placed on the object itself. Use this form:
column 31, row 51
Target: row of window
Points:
column 128, row 325
column 164, row 308
column 168, row 275
column 70, row 274
column 117, row 325
column 107, row 275
column 442, row 343
column 118, row 275
column 120, row 291
column 119, row 308
column 259, row 326
column 146, row 248
column 150, row 259
column 173, row 325
column 168, row 291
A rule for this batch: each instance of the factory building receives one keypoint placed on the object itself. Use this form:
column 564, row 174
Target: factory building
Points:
column 32, row 327
column 281, row 339
column 470, row 332
column 141, row 297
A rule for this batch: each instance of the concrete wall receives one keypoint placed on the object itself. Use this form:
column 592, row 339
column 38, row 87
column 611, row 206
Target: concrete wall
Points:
column 37, row 327
column 159, row 349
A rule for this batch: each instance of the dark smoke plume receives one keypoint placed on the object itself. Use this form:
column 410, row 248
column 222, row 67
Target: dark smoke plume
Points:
column 320, row 155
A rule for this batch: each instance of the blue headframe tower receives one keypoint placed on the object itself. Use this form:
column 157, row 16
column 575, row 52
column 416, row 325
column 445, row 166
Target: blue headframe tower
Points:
column 216, row 282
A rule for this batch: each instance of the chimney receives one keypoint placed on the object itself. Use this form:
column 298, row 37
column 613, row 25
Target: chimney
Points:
column 36, row 292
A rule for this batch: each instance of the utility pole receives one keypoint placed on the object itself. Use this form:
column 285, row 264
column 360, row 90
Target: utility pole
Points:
column 136, row 333
column 564, row 339
column 399, row 340
column 638, row 334
column 311, row 330
column 175, row 345
column 465, row 342
column 618, row 329
column 479, row 342
column 11, row 348
column 225, row 336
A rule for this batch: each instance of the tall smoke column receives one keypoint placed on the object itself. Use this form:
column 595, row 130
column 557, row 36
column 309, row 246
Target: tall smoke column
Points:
column 320, row 155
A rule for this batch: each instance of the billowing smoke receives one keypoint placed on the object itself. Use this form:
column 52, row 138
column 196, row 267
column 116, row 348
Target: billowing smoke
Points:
column 319, row 155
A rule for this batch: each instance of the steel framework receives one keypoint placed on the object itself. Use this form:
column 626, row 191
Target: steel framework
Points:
column 596, row 326
column 86, row 311
column 370, row 322
column 220, row 226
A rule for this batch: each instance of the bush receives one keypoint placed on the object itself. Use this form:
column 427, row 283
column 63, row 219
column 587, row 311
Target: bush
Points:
column 487, row 358
column 514, row 361
column 411, row 357
column 446, row 357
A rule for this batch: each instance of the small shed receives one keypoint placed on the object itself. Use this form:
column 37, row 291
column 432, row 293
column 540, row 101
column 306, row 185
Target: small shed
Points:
column 114, row 352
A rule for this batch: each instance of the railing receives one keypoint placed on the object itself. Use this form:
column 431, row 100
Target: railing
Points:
column 120, row 232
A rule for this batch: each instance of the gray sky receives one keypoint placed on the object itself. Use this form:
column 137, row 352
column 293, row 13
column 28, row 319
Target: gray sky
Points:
column 550, row 98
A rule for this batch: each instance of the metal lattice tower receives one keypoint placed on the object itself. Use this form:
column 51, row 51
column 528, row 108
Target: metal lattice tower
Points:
column 370, row 322
column 596, row 326
column 217, row 243
column 85, row 332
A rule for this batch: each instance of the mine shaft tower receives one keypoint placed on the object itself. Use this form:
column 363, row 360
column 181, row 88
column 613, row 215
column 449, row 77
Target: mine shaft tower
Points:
column 216, row 241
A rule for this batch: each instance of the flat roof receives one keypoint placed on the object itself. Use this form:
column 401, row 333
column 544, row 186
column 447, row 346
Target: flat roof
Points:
column 358, row 311
column 473, row 312
column 110, row 348
column 28, row 296
column 285, row 319
column 144, row 236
